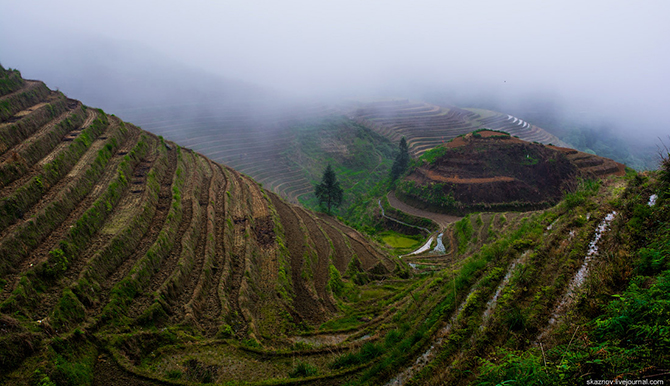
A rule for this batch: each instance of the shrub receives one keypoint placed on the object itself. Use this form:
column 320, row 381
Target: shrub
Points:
column 303, row 370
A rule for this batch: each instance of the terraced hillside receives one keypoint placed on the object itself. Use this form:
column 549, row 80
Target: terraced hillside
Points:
column 108, row 229
column 426, row 126
column 128, row 260
column 540, row 307
column 284, row 147
column 251, row 139
column 491, row 170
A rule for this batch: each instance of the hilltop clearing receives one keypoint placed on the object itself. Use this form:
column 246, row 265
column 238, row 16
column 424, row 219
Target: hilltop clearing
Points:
column 490, row 170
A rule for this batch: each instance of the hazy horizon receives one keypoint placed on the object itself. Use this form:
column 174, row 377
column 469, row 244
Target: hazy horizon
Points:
column 598, row 61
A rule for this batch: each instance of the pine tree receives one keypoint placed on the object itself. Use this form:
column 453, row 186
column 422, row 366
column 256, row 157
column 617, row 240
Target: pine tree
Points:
column 329, row 191
column 401, row 160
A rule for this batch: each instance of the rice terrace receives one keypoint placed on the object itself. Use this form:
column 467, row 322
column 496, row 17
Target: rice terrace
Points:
column 294, row 194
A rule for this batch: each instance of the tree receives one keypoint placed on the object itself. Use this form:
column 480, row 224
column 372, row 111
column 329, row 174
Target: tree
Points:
column 401, row 160
column 329, row 191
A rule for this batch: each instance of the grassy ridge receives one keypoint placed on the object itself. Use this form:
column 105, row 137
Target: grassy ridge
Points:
column 618, row 328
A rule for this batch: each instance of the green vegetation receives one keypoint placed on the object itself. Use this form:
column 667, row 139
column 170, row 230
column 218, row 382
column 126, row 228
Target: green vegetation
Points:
column 620, row 334
column 502, row 134
column 398, row 241
column 10, row 81
column 359, row 157
column 463, row 233
column 434, row 194
column 303, row 369
column 664, row 172
column 433, row 154
column 161, row 266
column 585, row 189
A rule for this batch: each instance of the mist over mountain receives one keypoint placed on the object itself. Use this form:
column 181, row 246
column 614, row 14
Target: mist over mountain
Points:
column 122, row 75
column 487, row 222
column 596, row 60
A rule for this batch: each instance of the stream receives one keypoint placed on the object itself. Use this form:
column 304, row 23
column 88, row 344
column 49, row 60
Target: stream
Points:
column 582, row 273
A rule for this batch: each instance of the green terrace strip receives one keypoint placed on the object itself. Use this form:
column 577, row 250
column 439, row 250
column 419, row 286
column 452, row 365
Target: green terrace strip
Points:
column 610, row 332
column 13, row 206
column 46, row 273
column 29, row 234
column 13, row 133
column 206, row 280
column 167, row 295
column 131, row 260
column 39, row 146
column 506, row 312
column 83, row 230
column 131, row 286
column 474, row 268
column 105, row 261
column 30, row 94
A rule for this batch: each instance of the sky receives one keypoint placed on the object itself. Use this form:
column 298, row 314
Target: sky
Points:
column 602, row 58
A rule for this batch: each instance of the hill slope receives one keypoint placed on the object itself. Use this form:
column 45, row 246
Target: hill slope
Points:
column 105, row 225
column 129, row 260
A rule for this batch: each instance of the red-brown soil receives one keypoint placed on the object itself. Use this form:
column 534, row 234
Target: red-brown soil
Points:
column 484, row 171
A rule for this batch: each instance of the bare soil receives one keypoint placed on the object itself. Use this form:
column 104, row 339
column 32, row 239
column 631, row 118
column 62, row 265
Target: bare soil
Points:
column 488, row 171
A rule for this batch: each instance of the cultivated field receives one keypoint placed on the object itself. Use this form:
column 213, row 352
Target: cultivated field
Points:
column 127, row 259
column 491, row 170
column 426, row 126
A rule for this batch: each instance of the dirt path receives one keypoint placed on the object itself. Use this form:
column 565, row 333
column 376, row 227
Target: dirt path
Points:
column 379, row 202
column 440, row 219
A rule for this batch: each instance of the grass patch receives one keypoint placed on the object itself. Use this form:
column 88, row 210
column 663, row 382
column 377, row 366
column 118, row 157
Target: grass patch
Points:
column 398, row 241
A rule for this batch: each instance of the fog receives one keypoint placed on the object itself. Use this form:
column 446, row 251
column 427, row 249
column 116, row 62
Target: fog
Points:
column 595, row 61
